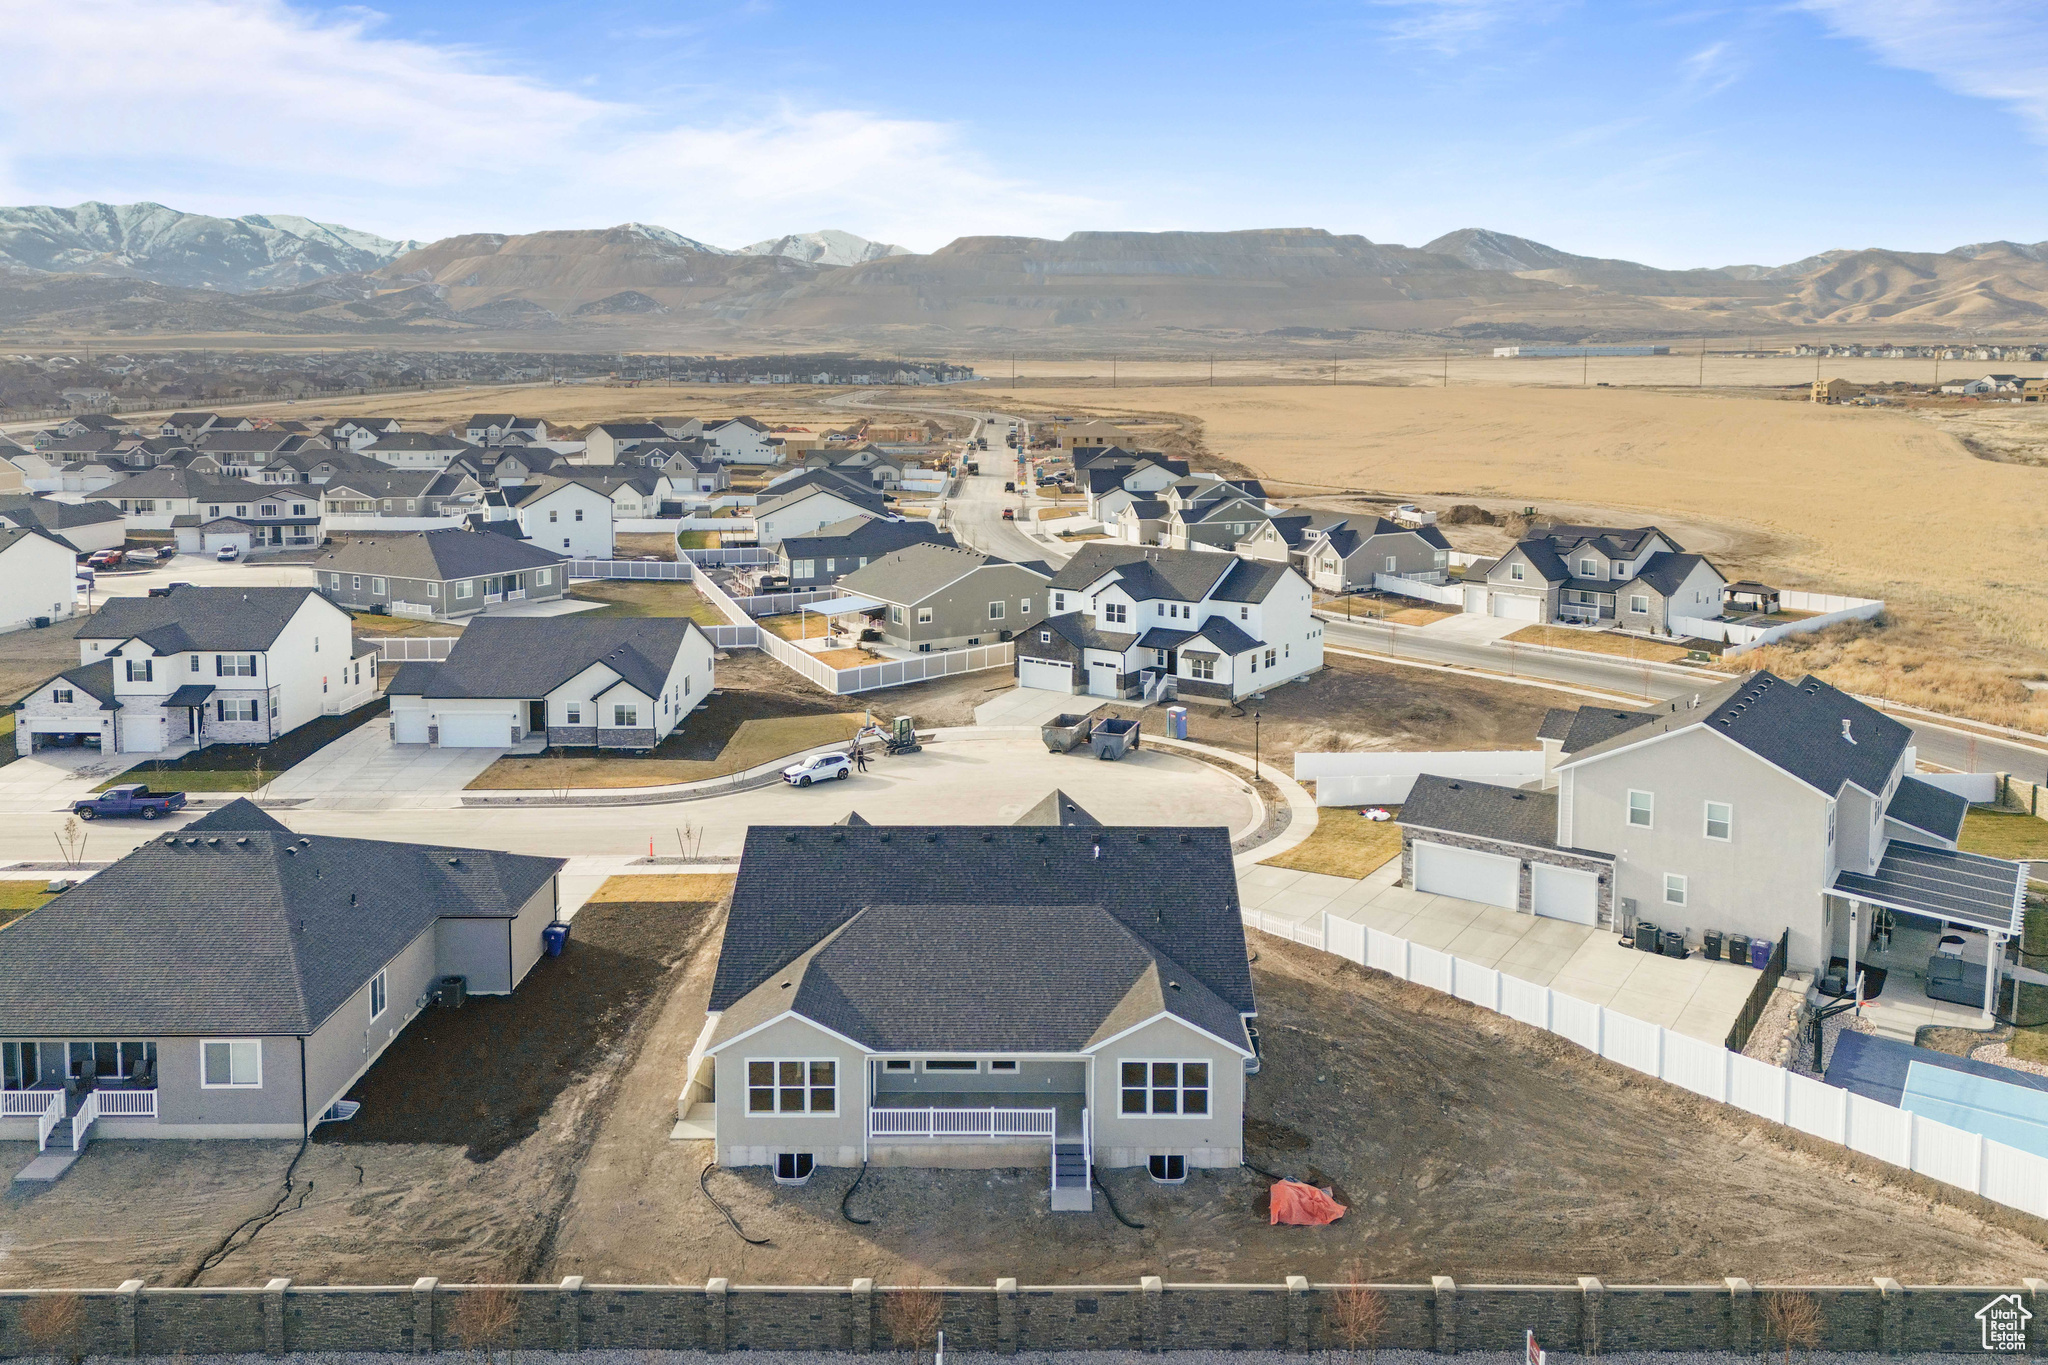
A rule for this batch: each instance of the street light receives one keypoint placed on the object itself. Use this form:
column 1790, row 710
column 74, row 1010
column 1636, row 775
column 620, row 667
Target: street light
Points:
column 1255, row 747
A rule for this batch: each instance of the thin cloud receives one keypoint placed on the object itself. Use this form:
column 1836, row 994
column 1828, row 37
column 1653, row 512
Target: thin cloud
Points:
column 1990, row 52
column 328, row 117
column 1710, row 70
column 1453, row 27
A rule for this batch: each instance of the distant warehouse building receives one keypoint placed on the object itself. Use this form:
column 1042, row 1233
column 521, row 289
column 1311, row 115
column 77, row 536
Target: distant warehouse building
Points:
column 1574, row 352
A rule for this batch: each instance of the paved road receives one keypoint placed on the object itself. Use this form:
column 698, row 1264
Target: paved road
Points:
column 1938, row 744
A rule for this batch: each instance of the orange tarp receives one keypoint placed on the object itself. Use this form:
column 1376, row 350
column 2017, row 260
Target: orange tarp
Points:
column 1294, row 1202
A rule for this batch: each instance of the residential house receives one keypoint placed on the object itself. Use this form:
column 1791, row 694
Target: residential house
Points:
column 491, row 428
column 1219, row 627
column 742, row 440
column 509, row 467
column 93, row 421
column 1758, row 807
column 416, row 450
column 822, row 559
column 686, row 429
column 939, row 597
column 248, row 1015
column 402, row 493
column 572, row 515
column 13, row 477
column 438, row 575
column 1344, row 557
column 201, row 666
column 1087, row 432
column 84, row 526
column 355, row 433
column 239, row 454
column 1628, row 578
column 611, row 683
column 1088, row 984
column 316, row 466
column 608, row 442
column 1115, row 483
column 251, row 517
column 186, row 426
column 38, row 576
column 810, row 507
column 88, row 445
column 871, row 463
column 689, row 466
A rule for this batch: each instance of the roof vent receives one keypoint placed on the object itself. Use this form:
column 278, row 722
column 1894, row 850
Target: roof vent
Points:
column 1515, row 796
column 1173, row 985
column 242, row 842
column 214, row 842
column 1845, row 731
column 455, row 862
column 1454, row 786
column 790, row 838
column 1098, row 848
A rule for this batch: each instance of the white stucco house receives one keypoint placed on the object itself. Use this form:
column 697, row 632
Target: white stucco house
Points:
column 38, row 578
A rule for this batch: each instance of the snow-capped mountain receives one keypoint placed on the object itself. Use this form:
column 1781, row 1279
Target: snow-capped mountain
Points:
column 829, row 247
column 149, row 241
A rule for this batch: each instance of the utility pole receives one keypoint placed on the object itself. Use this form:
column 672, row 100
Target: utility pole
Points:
column 1585, row 365
column 1112, row 372
column 1212, row 369
column 1703, row 362
column 1447, row 369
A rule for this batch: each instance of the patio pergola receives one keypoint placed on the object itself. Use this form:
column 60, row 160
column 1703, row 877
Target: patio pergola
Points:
column 1948, row 886
column 1757, row 596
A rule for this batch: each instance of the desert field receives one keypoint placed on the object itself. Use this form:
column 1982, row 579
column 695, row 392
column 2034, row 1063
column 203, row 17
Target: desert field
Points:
column 1869, row 502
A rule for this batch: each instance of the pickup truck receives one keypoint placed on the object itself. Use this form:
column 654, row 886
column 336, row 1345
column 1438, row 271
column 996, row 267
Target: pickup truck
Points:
column 130, row 799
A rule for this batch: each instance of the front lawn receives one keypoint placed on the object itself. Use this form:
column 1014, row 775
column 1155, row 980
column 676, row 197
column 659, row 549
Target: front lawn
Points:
column 7, row 754
column 2005, row 834
column 693, row 754
column 697, row 540
column 648, row 598
column 1345, row 843
column 1600, row 642
column 17, row 898
column 243, row 767
column 371, row 623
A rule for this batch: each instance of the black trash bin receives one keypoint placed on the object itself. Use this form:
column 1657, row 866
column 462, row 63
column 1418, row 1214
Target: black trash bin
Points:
column 1674, row 943
column 1738, row 949
column 1711, row 941
column 1646, row 936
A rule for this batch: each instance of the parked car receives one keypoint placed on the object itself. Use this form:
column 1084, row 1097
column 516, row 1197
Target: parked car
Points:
column 103, row 559
column 132, row 798
column 1009, row 514
column 1009, row 488
column 228, row 554
column 817, row 768
column 140, row 557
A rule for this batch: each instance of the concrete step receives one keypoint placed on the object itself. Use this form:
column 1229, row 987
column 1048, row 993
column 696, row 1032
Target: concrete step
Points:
column 48, row 1165
column 1073, row 1199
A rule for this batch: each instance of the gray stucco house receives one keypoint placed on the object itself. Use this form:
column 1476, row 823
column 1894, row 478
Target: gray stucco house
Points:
column 436, row 575
column 835, row 551
column 1627, row 578
column 1052, row 995
column 232, row 979
column 946, row 597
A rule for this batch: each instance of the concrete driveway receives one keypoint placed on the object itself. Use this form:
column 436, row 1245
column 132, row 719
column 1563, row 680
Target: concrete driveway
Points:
column 364, row 769
column 204, row 571
column 1474, row 628
column 56, row 777
column 1031, row 706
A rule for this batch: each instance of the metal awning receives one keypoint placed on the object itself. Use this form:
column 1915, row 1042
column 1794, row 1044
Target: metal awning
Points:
column 1944, row 884
column 841, row 606
column 191, row 694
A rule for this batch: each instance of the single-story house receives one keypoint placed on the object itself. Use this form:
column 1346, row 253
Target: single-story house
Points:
column 822, row 559
column 939, row 597
column 438, row 575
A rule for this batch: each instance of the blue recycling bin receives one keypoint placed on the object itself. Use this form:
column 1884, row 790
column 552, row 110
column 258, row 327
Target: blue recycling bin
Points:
column 555, row 937
column 1760, row 950
column 1177, row 722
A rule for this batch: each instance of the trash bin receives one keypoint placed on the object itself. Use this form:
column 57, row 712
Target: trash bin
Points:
column 1177, row 721
column 1674, row 943
column 1760, row 953
column 1646, row 936
column 1711, row 941
column 1738, row 949
column 555, row 937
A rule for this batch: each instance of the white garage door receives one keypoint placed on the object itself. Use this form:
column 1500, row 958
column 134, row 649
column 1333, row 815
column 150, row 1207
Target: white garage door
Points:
column 1484, row 877
column 142, row 734
column 476, row 730
column 1512, row 608
column 1046, row 673
column 408, row 727
column 1563, row 893
column 1102, row 680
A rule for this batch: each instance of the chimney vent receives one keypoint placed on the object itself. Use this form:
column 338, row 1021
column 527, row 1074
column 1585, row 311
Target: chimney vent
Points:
column 1845, row 730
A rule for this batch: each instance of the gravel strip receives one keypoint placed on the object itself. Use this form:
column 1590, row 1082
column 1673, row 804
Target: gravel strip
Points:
column 884, row 1357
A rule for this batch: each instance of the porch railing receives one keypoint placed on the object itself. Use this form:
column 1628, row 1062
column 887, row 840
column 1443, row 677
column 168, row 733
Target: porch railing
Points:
column 82, row 1121
column 985, row 1125
column 25, row 1104
column 53, row 1115
column 516, row 595
column 126, row 1104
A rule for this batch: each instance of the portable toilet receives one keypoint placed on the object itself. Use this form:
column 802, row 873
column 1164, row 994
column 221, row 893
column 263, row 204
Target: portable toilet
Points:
column 1177, row 722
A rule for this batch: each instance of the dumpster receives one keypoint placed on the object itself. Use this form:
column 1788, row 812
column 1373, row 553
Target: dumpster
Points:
column 555, row 937
column 1065, row 733
column 1177, row 722
column 1112, row 739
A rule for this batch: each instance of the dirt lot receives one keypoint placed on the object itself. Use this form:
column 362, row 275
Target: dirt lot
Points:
column 27, row 657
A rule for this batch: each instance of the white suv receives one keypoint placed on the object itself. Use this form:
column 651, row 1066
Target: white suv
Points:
column 817, row 768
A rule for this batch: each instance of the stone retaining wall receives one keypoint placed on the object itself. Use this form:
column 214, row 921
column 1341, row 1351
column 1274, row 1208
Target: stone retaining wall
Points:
column 1587, row 1317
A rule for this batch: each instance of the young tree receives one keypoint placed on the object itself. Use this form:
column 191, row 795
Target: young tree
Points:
column 1358, row 1313
column 1793, row 1320
column 912, row 1317
column 56, row 1324
column 485, row 1319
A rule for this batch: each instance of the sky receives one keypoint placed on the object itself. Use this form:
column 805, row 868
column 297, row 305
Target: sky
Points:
column 1678, row 134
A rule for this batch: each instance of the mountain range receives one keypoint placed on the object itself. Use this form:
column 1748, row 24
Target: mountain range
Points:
column 143, row 269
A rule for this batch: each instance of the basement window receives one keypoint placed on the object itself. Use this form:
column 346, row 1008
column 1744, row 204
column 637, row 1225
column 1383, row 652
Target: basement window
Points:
column 1168, row 1168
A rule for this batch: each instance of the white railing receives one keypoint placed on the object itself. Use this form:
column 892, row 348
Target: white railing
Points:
column 492, row 598
column 739, row 554
column 985, row 1125
column 25, row 1104
column 413, row 649
column 82, row 1121
column 634, row 568
column 52, row 1115
column 126, row 1104
column 417, row 611
column 516, row 595
column 2004, row 1175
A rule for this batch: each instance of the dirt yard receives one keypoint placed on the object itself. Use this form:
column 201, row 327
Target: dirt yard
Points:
column 27, row 657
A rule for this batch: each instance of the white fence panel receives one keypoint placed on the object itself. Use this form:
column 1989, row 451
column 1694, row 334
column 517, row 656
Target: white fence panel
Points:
column 1452, row 594
column 1428, row 967
column 734, row 637
column 1880, row 1130
column 738, row 554
column 1308, row 932
column 1758, row 1087
column 2016, row 1179
column 1576, row 1019
column 777, row 603
column 370, row 521
column 1480, row 985
column 1344, row 938
column 1525, row 1001
column 1699, row 1067
column 661, row 569
column 1814, row 1107
column 1976, row 788
column 1945, row 1153
column 413, row 649
column 1387, row 953
column 1632, row 1042
column 1358, row 779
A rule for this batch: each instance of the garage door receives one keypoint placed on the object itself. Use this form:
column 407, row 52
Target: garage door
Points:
column 142, row 734
column 1564, row 893
column 476, row 730
column 408, row 727
column 1102, row 680
column 1484, row 877
column 1046, row 673
column 1513, row 608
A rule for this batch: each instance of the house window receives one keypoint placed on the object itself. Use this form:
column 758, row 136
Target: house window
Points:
column 897, row 1064
column 464, row 588
column 433, row 589
column 1515, row 572
column 140, row 670
column 1006, row 1064
column 924, row 616
column 1674, row 889
column 1200, row 669
column 543, row 577
column 1392, row 563
column 334, row 582
column 61, row 695
column 1244, row 613
column 376, row 585
column 1272, row 658
column 1023, row 606
column 1166, row 1088
column 1639, row 604
column 234, row 710
column 896, row 615
column 234, row 665
column 1642, row 808
column 355, row 583
column 1589, row 568
column 1059, row 601
column 951, row 1064
column 625, row 717
column 995, row 611
column 572, row 713
column 579, row 514
column 793, row 1087
column 554, row 515
column 234, row 1064
column 1115, row 613
column 378, row 997
column 1720, row 820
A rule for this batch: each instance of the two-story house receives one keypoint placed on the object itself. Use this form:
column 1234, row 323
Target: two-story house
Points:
column 354, row 433
column 1627, row 578
column 200, row 666
column 811, row 502
column 402, row 493
column 38, row 575
column 940, row 597
column 742, row 440
column 1115, row 483
column 1343, row 558
column 690, row 467
column 1057, row 995
column 822, row 559
column 1759, row 807
column 491, row 428
column 439, row 575
column 416, row 450
column 83, row 526
column 608, row 442
column 572, row 515
column 1219, row 627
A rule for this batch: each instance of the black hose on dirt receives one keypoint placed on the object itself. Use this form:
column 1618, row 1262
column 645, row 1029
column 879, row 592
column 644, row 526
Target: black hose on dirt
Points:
column 844, row 1212
column 704, row 1184
column 1111, row 1200
column 228, row 1246
column 1261, row 1170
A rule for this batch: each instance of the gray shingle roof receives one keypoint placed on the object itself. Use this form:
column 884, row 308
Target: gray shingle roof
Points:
column 192, row 617
column 530, row 656
column 1622, row 541
column 1057, row 808
column 847, row 493
column 1076, row 629
column 1146, row 572
column 1482, row 810
column 1249, row 580
column 95, row 679
column 1557, row 722
column 441, row 555
column 1927, row 807
column 26, row 510
column 418, row 440
column 1665, row 572
column 1595, row 724
column 1174, row 888
column 917, row 571
column 263, row 932
column 870, row 536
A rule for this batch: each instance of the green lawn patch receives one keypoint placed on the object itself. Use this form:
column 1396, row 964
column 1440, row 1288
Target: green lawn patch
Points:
column 7, row 754
column 622, row 598
column 238, row 767
column 697, row 540
column 2005, row 834
column 1345, row 844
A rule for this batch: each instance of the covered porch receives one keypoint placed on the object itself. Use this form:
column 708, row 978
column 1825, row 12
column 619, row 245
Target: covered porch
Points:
column 976, row 1116
column 1940, row 920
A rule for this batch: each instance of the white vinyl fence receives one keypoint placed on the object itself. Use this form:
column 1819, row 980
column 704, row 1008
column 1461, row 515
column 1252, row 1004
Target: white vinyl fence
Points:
column 2004, row 1175
column 370, row 521
column 659, row 569
column 413, row 649
column 777, row 603
column 752, row 556
column 1358, row 779
column 1747, row 635
column 1450, row 594
column 1976, row 788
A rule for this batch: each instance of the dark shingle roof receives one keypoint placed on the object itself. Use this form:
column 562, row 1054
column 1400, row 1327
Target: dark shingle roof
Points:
column 530, row 656
column 191, row 617
column 1557, row 722
column 1666, row 572
column 1074, row 627
column 25, row 510
column 870, row 536
column 1596, row 724
column 1174, row 888
column 1249, row 580
column 1458, row 805
column 847, row 493
column 917, row 571
column 1927, row 807
column 1147, row 572
column 1057, row 808
column 1622, row 541
column 95, row 679
column 443, row 555
column 139, row 949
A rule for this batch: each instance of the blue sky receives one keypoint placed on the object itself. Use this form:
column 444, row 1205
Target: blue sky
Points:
column 1677, row 134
